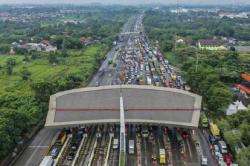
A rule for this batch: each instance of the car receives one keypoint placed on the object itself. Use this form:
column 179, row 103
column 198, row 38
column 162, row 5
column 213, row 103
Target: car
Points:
column 223, row 147
column 54, row 152
column 203, row 160
column 219, row 156
column 184, row 134
column 212, row 139
column 97, row 84
column 216, row 148
column 228, row 159
column 74, row 146
column 71, row 156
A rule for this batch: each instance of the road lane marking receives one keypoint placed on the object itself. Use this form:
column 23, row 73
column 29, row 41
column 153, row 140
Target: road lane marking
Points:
column 38, row 146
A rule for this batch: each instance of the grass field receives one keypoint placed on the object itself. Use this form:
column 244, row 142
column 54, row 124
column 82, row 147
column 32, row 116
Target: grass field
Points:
column 77, row 62
column 3, row 58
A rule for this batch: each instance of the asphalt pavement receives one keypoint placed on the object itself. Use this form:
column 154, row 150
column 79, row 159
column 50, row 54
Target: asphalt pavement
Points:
column 33, row 155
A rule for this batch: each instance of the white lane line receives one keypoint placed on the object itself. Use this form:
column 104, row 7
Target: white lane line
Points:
column 36, row 149
column 189, row 149
column 38, row 146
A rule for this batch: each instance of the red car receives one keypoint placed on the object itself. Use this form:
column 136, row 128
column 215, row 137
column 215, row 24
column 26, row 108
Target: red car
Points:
column 184, row 134
column 228, row 159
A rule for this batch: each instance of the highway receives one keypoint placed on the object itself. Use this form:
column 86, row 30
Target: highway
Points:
column 33, row 155
column 134, row 61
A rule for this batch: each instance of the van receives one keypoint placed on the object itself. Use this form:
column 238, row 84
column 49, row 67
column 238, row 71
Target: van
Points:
column 223, row 147
column 115, row 143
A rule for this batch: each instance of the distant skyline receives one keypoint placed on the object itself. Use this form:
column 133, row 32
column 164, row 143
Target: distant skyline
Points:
column 127, row 2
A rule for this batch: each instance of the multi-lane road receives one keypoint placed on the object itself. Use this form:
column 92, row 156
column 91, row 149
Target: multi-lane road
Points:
column 134, row 61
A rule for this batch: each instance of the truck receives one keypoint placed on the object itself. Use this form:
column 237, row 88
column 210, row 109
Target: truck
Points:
column 162, row 154
column 61, row 138
column 203, row 120
column 47, row 161
column 131, row 147
column 214, row 130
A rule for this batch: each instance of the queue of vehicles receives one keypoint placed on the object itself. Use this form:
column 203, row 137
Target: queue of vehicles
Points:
column 219, row 147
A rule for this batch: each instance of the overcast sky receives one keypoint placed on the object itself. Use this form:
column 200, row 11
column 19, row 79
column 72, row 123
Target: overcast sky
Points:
column 127, row 1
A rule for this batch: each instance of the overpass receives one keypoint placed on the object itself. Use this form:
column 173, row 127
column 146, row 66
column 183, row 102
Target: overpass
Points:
column 142, row 104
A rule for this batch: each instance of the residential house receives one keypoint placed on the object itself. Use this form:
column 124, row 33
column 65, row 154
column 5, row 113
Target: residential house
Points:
column 211, row 44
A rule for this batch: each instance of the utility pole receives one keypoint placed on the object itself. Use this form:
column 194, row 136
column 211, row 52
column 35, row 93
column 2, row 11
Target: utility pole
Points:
column 197, row 60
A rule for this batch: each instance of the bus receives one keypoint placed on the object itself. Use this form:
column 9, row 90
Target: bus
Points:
column 162, row 156
column 203, row 120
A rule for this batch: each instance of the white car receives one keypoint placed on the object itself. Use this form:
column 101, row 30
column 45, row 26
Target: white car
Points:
column 203, row 160
column 216, row 148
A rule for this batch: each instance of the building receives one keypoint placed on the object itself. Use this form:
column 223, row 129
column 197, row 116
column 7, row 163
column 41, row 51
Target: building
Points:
column 244, row 86
column 235, row 107
column 211, row 44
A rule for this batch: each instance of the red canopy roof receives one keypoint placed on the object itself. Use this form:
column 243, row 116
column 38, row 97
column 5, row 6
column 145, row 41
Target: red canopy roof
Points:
column 245, row 89
column 245, row 77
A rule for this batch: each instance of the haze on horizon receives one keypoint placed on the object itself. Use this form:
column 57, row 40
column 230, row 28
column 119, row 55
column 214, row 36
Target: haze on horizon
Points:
column 127, row 2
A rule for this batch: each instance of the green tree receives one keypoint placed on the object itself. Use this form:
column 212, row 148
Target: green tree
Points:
column 26, row 74
column 219, row 98
column 10, row 63
column 52, row 58
column 245, row 131
column 4, row 49
column 21, row 51
column 243, row 158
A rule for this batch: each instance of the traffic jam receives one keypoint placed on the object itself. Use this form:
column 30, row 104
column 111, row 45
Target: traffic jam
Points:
column 98, row 145
column 144, row 65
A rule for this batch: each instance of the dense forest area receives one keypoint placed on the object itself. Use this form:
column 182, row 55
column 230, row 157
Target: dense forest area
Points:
column 28, row 78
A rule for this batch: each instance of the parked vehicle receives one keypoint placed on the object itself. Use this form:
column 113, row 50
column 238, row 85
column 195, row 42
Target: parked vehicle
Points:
column 47, row 161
